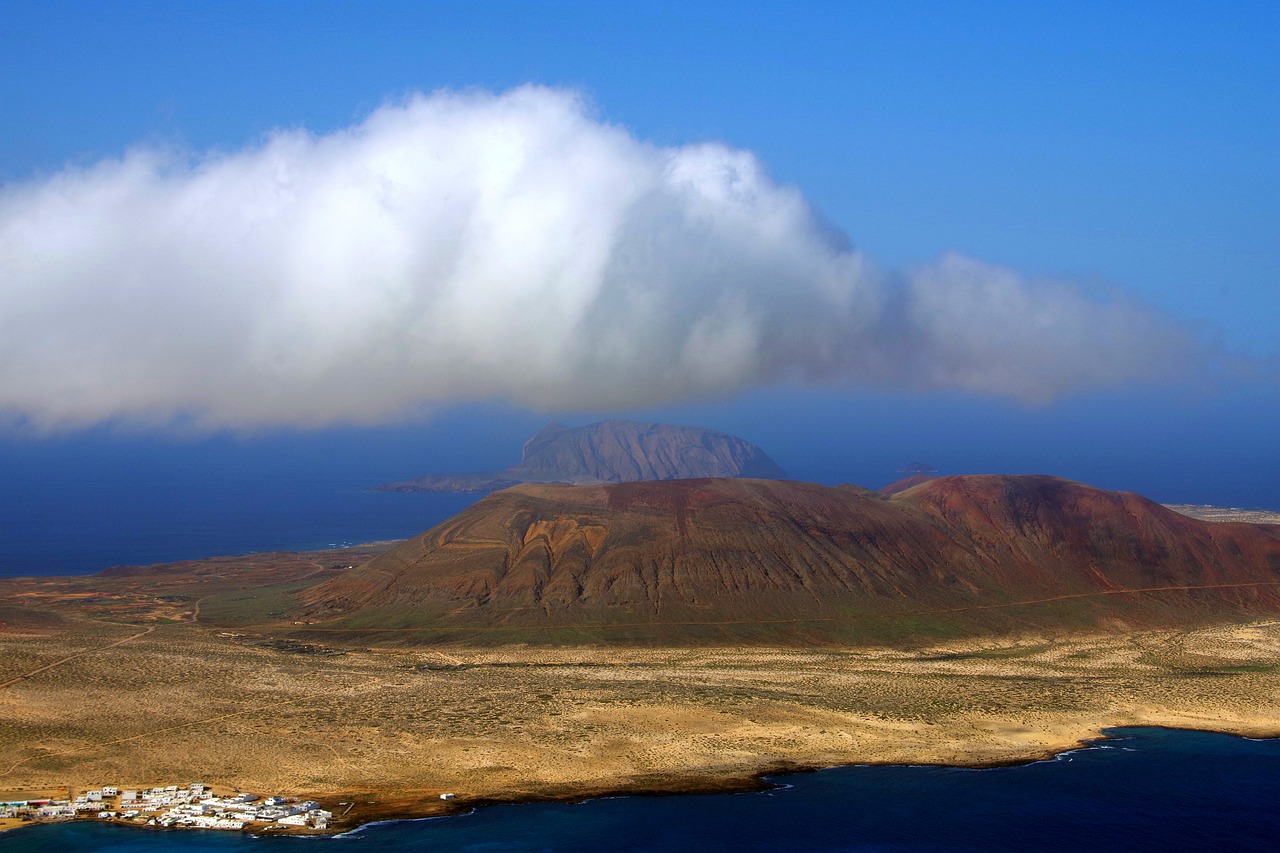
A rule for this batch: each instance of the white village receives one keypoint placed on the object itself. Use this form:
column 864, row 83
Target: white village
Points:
column 194, row 806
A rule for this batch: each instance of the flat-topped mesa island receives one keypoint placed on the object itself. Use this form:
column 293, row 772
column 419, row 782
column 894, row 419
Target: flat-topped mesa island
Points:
column 558, row 642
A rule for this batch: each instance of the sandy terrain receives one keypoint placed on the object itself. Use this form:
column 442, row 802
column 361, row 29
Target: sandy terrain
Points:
column 392, row 729
column 184, row 673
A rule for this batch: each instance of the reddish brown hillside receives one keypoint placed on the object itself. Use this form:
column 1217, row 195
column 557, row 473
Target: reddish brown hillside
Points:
column 761, row 560
column 906, row 483
column 1077, row 538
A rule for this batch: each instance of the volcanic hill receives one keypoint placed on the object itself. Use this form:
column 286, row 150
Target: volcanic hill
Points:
column 612, row 451
column 905, row 483
column 764, row 561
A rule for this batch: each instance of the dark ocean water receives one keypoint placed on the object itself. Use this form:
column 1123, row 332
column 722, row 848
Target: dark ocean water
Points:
column 56, row 528
column 1148, row 789
column 1145, row 789
column 83, row 501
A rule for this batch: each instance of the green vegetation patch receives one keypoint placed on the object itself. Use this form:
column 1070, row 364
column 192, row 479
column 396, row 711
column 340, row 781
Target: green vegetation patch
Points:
column 248, row 607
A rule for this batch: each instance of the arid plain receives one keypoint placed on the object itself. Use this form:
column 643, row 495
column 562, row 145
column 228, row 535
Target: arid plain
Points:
column 145, row 679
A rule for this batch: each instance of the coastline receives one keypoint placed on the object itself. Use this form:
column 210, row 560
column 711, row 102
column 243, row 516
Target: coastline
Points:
column 621, row 724
column 757, row 781
column 395, row 807
column 154, row 677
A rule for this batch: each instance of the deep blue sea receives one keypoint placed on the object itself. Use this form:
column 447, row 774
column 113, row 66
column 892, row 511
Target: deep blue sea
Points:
column 55, row 528
column 73, row 508
column 1144, row 789
column 81, row 503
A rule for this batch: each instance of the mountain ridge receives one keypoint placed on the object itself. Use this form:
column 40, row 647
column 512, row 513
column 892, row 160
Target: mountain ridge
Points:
column 750, row 560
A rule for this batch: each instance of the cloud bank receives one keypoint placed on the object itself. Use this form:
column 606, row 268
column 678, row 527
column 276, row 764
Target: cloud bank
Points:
column 468, row 246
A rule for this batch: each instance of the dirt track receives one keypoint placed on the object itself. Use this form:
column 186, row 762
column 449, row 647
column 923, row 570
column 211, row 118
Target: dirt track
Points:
column 72, row 657
column 178, row 703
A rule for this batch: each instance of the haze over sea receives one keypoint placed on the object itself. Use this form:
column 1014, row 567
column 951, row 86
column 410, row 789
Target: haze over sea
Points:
column 102, row 524
column 82, row 502
column 1144, row 789
column 1014, row 238
column 257, row 258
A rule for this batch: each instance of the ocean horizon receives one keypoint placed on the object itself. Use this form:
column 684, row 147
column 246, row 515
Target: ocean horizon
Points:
column 78, row 506
column 100, row 524
column 1142, row 789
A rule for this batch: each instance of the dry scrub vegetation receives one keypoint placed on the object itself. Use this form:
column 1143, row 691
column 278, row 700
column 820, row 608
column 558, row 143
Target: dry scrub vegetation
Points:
column 397, row 727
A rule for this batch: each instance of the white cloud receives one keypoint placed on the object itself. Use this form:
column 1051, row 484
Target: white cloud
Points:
column 473, row 246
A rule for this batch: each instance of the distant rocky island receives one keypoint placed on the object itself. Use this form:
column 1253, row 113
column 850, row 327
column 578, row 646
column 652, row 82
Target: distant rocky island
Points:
column 764, row 561
column 612, row 451
column 562, row 642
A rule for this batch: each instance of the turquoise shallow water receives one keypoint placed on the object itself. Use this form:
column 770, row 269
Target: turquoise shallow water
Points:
column 1144, row 789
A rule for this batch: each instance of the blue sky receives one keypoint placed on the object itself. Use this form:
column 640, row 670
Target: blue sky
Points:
column 1128, row 150
column 1132, row 142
